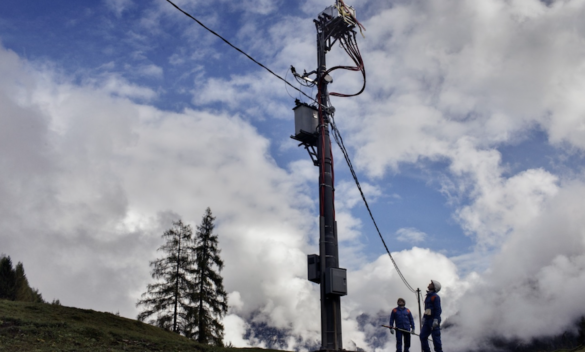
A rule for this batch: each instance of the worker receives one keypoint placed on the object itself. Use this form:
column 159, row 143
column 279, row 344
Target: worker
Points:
column 404, row 321
column 431, row 323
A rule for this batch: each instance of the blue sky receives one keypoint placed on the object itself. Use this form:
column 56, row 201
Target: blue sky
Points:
column 122, row 115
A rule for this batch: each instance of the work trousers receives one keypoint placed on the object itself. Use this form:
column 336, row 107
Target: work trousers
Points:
column 426, row 331
column 399, row 335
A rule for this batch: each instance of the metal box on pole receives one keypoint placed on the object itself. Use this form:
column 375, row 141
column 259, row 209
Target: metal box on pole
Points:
column 313, row 268
column 306, row 118
column 336, row 282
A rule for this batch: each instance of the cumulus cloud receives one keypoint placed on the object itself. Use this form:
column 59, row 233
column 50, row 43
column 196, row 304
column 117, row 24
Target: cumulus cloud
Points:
column 93, row 173
column 485, row 72
column 537, row 273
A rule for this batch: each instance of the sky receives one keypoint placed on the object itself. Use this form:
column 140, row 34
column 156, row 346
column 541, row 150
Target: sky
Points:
column 118, row 117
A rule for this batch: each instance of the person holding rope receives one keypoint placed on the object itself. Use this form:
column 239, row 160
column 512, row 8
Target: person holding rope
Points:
column 404, row 321
column 431, row 323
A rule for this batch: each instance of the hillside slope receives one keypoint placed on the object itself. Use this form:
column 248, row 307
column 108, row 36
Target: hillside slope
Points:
column 46, row 327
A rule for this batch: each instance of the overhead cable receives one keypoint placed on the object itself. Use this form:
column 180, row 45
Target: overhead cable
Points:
column 238, row 49
column 339, row 141
column 349, row 44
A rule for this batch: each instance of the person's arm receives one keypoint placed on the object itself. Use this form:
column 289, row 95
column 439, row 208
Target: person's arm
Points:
column 436, row 311
column 437, row 308
column 411, row 321
column 392, row 318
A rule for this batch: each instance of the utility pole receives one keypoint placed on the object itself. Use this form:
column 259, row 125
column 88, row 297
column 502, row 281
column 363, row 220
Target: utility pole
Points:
column 331, row 338
column 312, row 126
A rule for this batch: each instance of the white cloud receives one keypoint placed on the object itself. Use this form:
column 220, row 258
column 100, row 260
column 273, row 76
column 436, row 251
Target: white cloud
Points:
column 118, row 6
column 101, row 171
column 114, row 84
column 235, row 329
column 410, row 235
column 540, row 265
column 151, row 71
column 486, row 71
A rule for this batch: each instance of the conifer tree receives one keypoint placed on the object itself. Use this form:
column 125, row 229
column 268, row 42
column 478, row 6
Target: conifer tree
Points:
column 7, row 279
column 168, row 299
column 22, row 290
column 14, row 285
column 209, row 297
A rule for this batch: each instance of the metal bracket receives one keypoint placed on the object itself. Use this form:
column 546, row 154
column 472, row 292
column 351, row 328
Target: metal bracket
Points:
column 312, row 153
column 309, row 142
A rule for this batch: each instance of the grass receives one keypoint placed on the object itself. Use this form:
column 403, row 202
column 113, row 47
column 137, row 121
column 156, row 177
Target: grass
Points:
column 45, row 327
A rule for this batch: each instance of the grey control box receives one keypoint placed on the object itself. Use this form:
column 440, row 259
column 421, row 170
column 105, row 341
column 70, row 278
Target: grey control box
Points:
column 313, row 268
column 336, row 282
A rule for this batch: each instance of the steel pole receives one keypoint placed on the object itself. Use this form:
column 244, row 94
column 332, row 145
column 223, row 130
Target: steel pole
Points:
column 331, row 337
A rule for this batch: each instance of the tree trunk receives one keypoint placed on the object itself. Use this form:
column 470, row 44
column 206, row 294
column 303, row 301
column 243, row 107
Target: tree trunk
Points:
column 177, row 287
column 201, row 325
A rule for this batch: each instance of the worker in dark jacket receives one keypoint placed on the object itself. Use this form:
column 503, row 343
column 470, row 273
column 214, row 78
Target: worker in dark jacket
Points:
column 432, row 318
column 404, row 321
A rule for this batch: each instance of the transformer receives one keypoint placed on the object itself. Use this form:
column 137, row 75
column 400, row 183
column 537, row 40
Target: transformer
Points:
column 306, row 118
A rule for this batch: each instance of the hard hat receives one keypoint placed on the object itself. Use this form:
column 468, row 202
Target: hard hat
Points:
column 437, row 285
column 400, row 299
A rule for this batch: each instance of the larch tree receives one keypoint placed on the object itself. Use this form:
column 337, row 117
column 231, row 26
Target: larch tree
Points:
column 168, row 300
column 208, row 297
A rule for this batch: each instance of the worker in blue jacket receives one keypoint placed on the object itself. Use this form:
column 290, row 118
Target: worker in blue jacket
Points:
column 432, row 318
column 404, row 321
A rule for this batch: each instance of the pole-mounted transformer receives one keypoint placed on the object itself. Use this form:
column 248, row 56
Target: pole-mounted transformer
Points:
column 312, row 130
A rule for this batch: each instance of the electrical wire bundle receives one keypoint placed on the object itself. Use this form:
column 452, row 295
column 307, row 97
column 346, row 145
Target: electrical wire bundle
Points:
column 303, row 80
column 349, row 44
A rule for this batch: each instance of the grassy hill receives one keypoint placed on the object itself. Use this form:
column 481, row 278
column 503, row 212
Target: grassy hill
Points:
column 46, row 327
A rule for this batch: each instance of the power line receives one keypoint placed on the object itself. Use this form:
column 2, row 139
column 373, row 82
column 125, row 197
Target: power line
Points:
column 339, row 141
column 238, row 49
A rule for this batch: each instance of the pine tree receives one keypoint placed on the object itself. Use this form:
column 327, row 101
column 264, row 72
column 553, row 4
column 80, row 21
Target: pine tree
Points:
column 7, row 279
column 22, row 290
column 209, row 297
column 168, row 299
column 14, row 284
